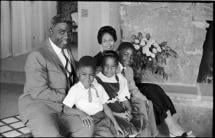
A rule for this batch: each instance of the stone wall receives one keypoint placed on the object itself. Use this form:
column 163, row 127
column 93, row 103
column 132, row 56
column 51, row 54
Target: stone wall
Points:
column 182, row 25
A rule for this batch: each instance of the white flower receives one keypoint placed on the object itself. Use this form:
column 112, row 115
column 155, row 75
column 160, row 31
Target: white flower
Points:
column 142, row 43
column 136, row 41
column 153, row 55
column 147, row 54
column 137, row 47
column 154, row 50
column 150, row 59
column 157, row 47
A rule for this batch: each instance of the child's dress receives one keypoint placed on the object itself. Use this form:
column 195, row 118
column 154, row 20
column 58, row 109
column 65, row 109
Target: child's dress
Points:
column 114, row 102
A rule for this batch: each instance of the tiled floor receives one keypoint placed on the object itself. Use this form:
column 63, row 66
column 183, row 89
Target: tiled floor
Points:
column 13, row 127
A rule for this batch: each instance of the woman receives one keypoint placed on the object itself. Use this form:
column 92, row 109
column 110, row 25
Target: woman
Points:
column 106, row 38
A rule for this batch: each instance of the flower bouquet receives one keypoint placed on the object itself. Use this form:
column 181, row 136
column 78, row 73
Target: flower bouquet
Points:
column 150, row 57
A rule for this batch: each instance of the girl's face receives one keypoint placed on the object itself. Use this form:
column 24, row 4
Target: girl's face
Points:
column 126, row 57
column 109, row 68
column 107, row 42
column 86, row 76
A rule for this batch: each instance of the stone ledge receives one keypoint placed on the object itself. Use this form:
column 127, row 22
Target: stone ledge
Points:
column 194, row 113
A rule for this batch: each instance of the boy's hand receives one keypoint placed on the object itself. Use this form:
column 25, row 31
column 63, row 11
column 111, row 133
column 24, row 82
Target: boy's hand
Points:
column 86, row 119
column 137, row 94
column 129, row 116
column 125, row 115
column 119, row 130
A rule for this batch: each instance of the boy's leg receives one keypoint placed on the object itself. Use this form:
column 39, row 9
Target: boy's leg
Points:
column 149, row 118
column 74, row 124
column 103, row 126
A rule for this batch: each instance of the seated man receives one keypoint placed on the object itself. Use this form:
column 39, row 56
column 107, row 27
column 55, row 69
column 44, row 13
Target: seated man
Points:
column 50, row 72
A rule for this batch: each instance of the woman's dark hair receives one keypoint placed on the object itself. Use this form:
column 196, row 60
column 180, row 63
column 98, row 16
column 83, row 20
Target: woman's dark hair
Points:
column 110, row 54
column 106, row 29
column 125, row 46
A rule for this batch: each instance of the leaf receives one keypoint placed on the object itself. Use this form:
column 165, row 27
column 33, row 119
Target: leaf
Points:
column 163, row 44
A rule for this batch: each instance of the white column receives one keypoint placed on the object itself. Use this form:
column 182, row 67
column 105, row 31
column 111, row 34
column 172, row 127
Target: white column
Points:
column 92, row 16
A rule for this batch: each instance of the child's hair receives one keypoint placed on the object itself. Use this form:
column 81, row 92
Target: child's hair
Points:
column 110, row 54
column 125, row 46
column 87, row 61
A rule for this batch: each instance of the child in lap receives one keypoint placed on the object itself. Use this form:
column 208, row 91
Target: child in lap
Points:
column 117, row 88
column 90, row 97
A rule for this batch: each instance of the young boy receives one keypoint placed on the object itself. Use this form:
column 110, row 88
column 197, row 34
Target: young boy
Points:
column 90, row 97
column 125, row 52
column 162, row 104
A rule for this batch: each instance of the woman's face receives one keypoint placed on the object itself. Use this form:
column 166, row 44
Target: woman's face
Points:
column 126, row 57
column 107, row 42
column 109, row 68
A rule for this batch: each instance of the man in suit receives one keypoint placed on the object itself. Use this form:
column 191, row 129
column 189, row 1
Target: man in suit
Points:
column 50, row 72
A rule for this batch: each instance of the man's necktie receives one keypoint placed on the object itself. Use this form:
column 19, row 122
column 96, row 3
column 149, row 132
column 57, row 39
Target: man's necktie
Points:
column 68, row 72
column 123, row 71
column 90, row 92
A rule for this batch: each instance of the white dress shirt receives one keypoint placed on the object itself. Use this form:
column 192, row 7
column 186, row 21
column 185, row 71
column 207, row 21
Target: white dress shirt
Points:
column 60, row 55
column 78, row 95
column 123, row 84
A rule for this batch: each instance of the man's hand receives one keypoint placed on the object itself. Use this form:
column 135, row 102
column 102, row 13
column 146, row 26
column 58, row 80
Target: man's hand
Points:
column 86, row 119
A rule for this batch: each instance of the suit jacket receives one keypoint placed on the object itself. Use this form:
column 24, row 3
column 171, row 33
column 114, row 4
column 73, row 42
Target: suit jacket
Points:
column 46, row 80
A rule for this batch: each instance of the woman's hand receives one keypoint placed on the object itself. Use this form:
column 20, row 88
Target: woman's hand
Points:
column 86, row 119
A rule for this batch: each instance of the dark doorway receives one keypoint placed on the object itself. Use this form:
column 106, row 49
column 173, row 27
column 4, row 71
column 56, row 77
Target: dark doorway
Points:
column 206, row 66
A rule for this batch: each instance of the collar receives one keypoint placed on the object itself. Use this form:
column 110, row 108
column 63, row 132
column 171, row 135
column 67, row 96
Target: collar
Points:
column 82, row 86
column 121, row 67
column 55, row 47
column 107, row 79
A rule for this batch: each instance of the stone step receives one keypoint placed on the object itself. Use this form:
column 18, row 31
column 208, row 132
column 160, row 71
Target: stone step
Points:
column 194, row 114
column 9, row 99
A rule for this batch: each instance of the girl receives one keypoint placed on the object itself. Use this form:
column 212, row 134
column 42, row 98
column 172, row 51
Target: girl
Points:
column 117, row 88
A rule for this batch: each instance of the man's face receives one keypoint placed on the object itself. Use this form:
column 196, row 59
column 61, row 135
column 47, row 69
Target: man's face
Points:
column 126, row 57
column 86, row 76
column 60, row 34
